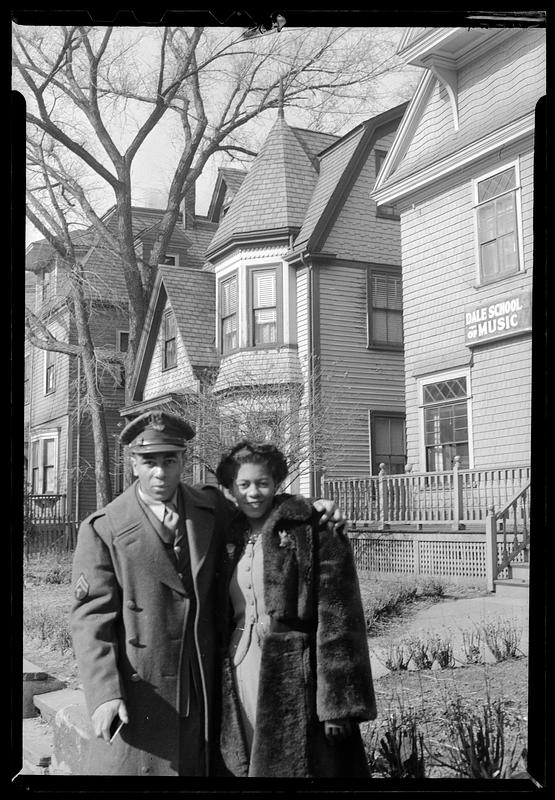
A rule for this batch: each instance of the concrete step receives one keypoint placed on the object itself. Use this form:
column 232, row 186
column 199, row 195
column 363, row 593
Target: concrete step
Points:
column 66, row 713
column 37, row 747
column 35, row 682
column 510, row 587
column 520, row 571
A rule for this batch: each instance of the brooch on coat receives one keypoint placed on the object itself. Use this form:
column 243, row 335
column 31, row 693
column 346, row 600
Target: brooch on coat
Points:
column 286, row 540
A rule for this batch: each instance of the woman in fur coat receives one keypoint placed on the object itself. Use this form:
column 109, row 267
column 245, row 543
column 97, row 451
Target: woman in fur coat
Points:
column 297, row 677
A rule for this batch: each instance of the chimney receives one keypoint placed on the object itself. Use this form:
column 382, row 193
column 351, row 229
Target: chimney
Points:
column 189, row 202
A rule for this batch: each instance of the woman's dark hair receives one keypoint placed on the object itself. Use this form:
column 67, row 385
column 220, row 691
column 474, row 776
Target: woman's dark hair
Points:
column 246, row 452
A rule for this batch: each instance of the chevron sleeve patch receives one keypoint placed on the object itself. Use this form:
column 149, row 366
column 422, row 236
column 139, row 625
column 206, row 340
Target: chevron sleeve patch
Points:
column 81, row 588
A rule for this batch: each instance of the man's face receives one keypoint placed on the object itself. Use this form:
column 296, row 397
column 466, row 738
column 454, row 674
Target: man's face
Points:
column 158, row 473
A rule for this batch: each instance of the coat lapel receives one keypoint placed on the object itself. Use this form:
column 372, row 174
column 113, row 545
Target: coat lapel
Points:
column 135, row 528
column 282, row 546
column 199, row 518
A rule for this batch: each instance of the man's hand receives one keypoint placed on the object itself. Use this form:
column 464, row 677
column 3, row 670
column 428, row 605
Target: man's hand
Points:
column 331, row 513
column 103, row 716
column 337, row 729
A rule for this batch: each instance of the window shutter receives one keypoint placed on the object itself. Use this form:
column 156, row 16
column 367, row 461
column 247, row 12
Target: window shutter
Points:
column 229, row 297
column 264, row 289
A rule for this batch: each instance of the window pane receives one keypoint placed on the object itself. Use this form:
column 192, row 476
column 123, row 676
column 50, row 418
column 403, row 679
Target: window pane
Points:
column 49, row 480
column 229, row 333
column 486, row 223
column 229, row 297
column 507, row 252
column 505, row 211
column 169, row 326
column 264, row 289
column 379, row 326
column 496, row 185
column 489, row 262
column 265, row 328
column 395, row 328
column 170, row 358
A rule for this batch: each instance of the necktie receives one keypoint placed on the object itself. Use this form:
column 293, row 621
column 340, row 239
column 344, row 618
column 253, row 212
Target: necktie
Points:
column 171, row 518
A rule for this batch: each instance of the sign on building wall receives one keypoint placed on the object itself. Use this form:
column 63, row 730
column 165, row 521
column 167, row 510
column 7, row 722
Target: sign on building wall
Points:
column 498, row 318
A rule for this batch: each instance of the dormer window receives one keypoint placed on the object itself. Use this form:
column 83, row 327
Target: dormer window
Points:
column 169, row 353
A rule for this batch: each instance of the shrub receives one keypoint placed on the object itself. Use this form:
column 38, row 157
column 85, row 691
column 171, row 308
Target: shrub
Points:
column 396, row 750
column 49, row 625
column 48, row 569
column 503, row 637
column 382, row 600
column 480, row 746
column 472, row 646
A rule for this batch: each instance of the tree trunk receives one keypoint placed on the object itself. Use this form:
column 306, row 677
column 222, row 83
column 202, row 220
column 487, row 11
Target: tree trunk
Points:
column 94, row 402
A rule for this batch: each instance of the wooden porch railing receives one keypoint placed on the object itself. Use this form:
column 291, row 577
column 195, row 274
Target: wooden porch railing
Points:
column 457, row 498
column 507, row 535
column 48, row 528
column 45, row 508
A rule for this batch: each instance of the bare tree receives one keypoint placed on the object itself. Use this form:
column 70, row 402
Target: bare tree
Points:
column 94, row 95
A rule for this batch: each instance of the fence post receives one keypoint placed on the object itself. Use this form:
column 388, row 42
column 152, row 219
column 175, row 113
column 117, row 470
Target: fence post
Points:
column 382, row 493
column 457, row 495
column 491, row 549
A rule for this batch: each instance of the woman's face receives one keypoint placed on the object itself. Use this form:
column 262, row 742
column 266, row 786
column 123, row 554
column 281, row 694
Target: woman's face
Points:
column 254, row 490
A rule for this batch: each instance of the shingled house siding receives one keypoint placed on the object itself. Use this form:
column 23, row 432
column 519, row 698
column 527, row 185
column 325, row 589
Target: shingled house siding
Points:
column 357, row 233
column 355, row 378
column 160, row 381
column 486, row 92
column 51, row 406
column 439, row 281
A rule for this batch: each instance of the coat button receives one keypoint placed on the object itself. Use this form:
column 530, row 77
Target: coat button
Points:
column 145, row 770
column 135, row 677
column 131, row 604
column 133, row 640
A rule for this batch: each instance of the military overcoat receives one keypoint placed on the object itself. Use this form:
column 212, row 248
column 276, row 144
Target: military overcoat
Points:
column 315, row 664
column 128, row 622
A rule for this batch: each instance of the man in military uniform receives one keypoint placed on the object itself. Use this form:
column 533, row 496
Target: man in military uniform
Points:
column 145, row 618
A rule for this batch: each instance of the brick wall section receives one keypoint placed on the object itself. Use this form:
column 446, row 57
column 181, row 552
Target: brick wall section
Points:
column 487, row 88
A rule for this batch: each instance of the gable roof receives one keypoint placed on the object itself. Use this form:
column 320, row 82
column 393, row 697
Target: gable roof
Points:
column 227, row 185
column 275, row 193
column 191, row 294
column 339, row 167
column 421, row 147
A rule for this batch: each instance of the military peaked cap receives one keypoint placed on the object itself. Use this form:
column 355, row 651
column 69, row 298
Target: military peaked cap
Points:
column 157, row 432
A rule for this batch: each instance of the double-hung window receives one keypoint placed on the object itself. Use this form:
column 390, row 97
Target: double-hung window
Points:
column 43, row 466
column 496, row 198
column 264, row 307
column 387, row 432
column 49, row 372
column 169, row 353
column 385, row 309
column 228, row 315
column 445, row 405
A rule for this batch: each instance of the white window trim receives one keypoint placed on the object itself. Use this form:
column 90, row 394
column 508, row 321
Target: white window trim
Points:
column 40, row 437
column 518, row 203
column 437, row 377
column 171, row 255
column 119, row 332
column 46, row 393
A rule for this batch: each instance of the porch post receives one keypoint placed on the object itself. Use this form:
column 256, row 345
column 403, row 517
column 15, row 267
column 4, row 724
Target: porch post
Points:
column 491, row 550
column 382, row 493
column 457, row 494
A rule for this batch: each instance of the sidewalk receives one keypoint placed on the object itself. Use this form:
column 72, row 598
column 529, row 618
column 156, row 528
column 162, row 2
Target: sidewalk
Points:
column 453, row 618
